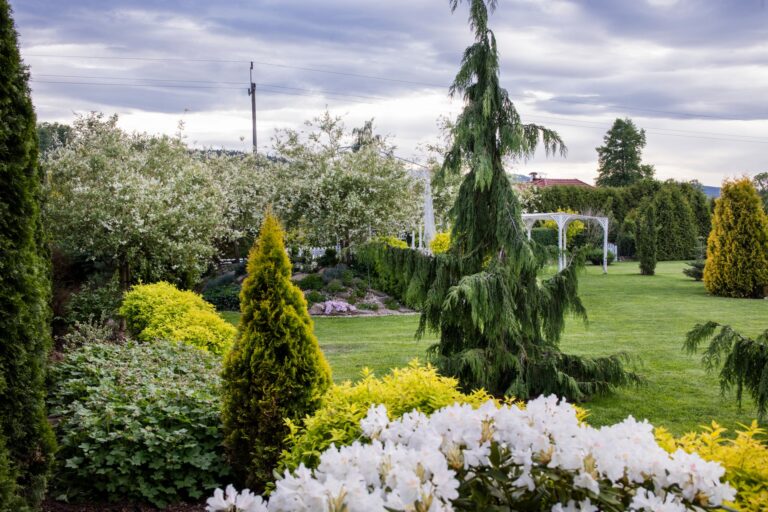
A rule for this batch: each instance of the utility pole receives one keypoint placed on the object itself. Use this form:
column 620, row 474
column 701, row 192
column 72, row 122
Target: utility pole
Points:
column 252, row 94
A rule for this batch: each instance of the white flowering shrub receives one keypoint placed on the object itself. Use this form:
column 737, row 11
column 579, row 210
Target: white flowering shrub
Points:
column 535, row 458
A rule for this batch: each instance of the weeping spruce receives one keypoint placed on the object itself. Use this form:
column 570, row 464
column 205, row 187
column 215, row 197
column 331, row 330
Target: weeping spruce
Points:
column 499, row 324
column 26, row 439
column 275, row 369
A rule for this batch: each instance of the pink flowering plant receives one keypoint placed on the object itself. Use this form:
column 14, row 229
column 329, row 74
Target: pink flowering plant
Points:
column 537, row 457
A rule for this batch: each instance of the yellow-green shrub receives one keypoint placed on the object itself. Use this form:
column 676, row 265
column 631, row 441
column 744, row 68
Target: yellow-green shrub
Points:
column 441, row 243
column 393, row 241
column 338, row 418
column 162, row 311
column 275, row 371
column 737, row 247
column 745, row 459
column 574, row 227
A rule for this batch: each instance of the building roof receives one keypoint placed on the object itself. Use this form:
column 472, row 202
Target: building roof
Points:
column 552, row 182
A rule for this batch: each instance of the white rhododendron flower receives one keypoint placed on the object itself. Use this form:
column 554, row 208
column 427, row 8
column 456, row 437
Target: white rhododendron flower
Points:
column 419, row 463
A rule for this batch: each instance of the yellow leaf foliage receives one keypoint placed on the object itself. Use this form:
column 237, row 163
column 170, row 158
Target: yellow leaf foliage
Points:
column 441, row 243
column 573, row 229
column 745, row 459
column 160, row 311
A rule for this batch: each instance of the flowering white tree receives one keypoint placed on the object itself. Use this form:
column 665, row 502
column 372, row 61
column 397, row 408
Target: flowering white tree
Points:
column 138, row 203
column 329, row 187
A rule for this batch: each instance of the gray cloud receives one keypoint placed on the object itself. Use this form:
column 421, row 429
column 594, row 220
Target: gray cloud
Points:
column 659, row 61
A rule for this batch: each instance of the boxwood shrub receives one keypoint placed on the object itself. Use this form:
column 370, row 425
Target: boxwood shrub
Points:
column 137, row 422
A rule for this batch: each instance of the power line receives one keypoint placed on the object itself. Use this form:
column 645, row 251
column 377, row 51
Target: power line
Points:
column 297, row 91
column 180, row 80
column 615, row 106
column 260, row 62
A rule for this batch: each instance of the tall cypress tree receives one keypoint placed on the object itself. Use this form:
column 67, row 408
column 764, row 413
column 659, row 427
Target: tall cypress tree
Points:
column 24, row 287
column 499, row 324
column 646, row 238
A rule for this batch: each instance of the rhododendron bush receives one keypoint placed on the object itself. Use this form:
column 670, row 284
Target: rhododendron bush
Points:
column 535, row 458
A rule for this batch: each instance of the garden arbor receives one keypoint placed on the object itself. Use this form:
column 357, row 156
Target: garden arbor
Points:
column 562, row 220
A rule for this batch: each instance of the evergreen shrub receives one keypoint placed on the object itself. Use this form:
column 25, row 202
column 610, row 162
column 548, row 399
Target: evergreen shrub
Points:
column 675, row 225
column 328, row 259
column 224, row 298
column 312, row 282
column 646, row 238
column 275, row 371
column 737, row 247
column 137, row 422
column 94, row 301
column 26, row 440
column 160, row 311
column 337, row 420
column 595, row 256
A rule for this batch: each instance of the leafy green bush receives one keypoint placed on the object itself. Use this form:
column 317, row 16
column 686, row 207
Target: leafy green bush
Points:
column 138, row 422
column 312, row 282
column 338, row 418
column 334, row 286
column 161, row 311
column 369, row 306
column 315, row 296
column 340, row 272
column 391, row 303
column 329, row 259
column 595, row 256
column 544, row 236
column 94, row 301
column 225, row 297
column 275, row 370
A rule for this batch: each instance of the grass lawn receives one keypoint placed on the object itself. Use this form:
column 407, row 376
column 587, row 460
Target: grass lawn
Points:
column 644, row 316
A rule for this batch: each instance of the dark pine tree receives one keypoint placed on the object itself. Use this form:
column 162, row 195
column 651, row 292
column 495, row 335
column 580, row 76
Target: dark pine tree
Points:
column 499, row 324
column 620, row 157
column 25, row 435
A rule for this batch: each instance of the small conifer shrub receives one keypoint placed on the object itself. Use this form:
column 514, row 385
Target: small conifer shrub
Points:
column 275, row 371
column 646, row 237
column 737, row 247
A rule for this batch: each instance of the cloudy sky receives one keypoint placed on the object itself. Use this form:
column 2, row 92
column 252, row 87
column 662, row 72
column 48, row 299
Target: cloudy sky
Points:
column 693, row 73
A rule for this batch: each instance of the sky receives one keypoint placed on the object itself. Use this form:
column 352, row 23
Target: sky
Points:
column 692, row 73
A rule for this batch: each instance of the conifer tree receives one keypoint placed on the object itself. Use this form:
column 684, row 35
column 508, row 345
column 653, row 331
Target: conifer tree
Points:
column 675, row 224
column 25, row 436
column 737, row 247
column 499, row 324
column 275, row 370
column 646, row 238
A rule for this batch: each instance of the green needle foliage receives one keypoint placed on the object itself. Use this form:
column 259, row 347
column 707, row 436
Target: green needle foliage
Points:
column 26, row 439
column 499, row 323
column 646, row 238
column 743, row 361
column 275, row 370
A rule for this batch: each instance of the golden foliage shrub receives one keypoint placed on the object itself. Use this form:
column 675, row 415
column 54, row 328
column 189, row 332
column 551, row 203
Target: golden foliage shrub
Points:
column 162, row 311
column 737, row 247
column 744, row 458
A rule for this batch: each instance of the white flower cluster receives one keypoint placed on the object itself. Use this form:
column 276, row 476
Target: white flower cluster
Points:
column 417, row 463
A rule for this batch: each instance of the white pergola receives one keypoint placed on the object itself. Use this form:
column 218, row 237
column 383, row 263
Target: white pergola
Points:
column 562, row 220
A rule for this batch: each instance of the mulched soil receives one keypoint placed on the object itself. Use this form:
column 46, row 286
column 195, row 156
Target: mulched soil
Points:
column 57, row 506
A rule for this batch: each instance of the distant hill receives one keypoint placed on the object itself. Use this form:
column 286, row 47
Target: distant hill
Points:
column 711, row 192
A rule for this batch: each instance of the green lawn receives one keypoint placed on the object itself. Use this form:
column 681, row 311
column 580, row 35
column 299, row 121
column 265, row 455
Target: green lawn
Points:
column 645, row 316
